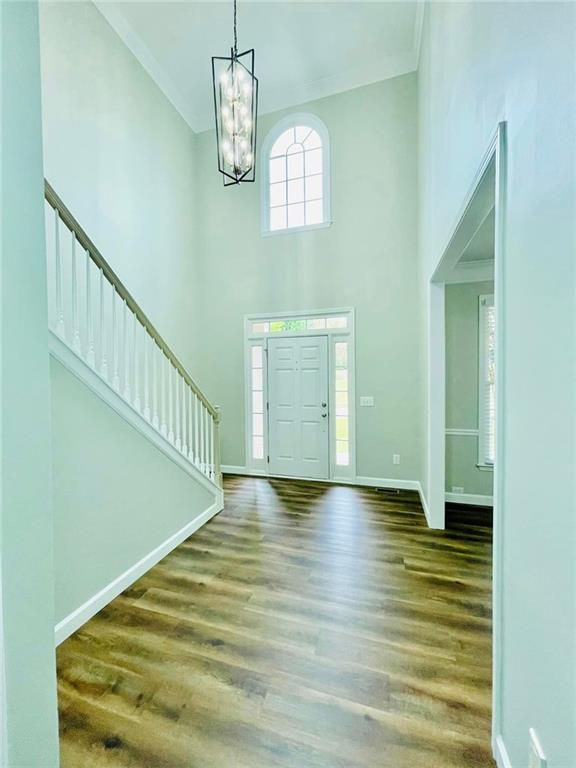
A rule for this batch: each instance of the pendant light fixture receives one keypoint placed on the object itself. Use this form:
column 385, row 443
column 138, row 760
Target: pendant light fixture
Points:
column 236, row 108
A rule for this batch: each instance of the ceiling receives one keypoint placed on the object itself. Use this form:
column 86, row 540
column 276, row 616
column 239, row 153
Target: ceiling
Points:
column 481, row 246
column 304, row 50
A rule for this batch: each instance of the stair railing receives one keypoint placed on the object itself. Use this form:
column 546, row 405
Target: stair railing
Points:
column 94, row 315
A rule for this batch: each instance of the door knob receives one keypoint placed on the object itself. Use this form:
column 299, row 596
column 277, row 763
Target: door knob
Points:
column 324, row 415
column 323, row 405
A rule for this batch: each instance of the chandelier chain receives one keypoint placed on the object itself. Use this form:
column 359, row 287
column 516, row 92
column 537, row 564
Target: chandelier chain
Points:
column 235, row 34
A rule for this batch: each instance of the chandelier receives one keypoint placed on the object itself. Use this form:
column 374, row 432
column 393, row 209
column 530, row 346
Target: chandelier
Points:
column 235, row 107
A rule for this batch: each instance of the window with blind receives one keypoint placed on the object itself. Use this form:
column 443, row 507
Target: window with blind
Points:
column 487, row 383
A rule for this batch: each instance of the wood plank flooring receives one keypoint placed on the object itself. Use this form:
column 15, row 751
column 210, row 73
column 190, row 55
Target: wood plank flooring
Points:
column 307, row 626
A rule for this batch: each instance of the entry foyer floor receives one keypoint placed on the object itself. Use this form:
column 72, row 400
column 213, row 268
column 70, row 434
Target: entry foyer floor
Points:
column 306, row 626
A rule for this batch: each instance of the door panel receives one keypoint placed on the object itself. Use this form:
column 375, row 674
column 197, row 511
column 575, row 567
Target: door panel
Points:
column 298, row 406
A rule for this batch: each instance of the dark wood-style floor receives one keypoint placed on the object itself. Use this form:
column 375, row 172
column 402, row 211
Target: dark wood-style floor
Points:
column 307, row 626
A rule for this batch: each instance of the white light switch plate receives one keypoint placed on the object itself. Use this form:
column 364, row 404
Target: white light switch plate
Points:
column 537, row 756
column 367, row 402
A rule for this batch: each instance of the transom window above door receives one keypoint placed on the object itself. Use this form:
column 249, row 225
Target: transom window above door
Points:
column 296, row 176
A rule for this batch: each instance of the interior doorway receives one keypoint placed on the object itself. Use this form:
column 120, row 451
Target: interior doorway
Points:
column 298, row 433
column 483, row 215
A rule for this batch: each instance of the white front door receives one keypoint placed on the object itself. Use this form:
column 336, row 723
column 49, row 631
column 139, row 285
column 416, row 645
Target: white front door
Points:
column 298, row 419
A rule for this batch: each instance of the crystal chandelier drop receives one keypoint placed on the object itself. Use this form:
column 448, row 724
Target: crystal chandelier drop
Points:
column 236, row 107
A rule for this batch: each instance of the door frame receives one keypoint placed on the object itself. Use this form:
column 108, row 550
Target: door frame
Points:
column 495, row 156
column 260, row 338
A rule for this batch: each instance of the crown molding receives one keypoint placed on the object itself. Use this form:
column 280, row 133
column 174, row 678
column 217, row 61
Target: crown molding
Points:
column 141, row 52
column 388, row 67
column 418, row 27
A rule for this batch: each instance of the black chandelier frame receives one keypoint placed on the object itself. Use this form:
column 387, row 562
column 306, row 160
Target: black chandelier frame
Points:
column 235, row 60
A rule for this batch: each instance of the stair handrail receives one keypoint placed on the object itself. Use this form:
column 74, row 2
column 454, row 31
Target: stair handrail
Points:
column 65, row 215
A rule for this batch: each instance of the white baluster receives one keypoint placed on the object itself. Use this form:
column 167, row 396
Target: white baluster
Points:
column 207, row 441
column 203, row 450
column 190, row 426
column 60, row 327
column 103, row 339
column 177, row 421
column 170, row 402
column 155, row 388
column 126, row 353
column 184, row 387
column 90, row 355
column 163, row 394
column 76, row 343
column 136, row 363
column 211, row 422
column 196, row 431
column 146, row 376
column 115, row 344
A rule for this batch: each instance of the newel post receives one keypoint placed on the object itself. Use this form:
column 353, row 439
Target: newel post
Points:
column 217, row 464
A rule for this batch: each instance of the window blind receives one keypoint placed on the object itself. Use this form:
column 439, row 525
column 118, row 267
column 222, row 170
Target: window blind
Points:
column 487, row 384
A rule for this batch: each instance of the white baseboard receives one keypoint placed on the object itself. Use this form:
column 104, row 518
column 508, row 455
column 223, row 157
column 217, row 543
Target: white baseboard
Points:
column 386, row 482
column 371, row 482
column 80, row 616
column 501, row 753
column 470, row 498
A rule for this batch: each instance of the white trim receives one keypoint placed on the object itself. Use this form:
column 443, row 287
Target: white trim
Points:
column 142, row 53
column 494, row 159
column 87, row 375
column 81, row 615
column 501, row 753
column 348, row 334
column 295, row 230
column 474, row 499
column 424, row 503
column 360, row 480
column 3, row 719
column 461, row 432
column 387, row 482
column 500, row 149
column 418, row 28
column 290, row 121
column 278, row 99
column 233, row 469
column 436, row 401
column 304, row 313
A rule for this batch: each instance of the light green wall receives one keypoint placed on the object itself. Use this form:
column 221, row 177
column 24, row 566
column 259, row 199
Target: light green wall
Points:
column 366, row 259
column 122, row 159
column 117, row 497
column 462, row 388
column 145, row 189
column 481, row 63
column 28, row 713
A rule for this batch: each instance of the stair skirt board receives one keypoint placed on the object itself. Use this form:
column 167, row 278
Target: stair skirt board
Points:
column 80, row 616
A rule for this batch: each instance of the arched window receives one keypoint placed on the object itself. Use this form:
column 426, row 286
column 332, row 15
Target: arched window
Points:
column 296, row 175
